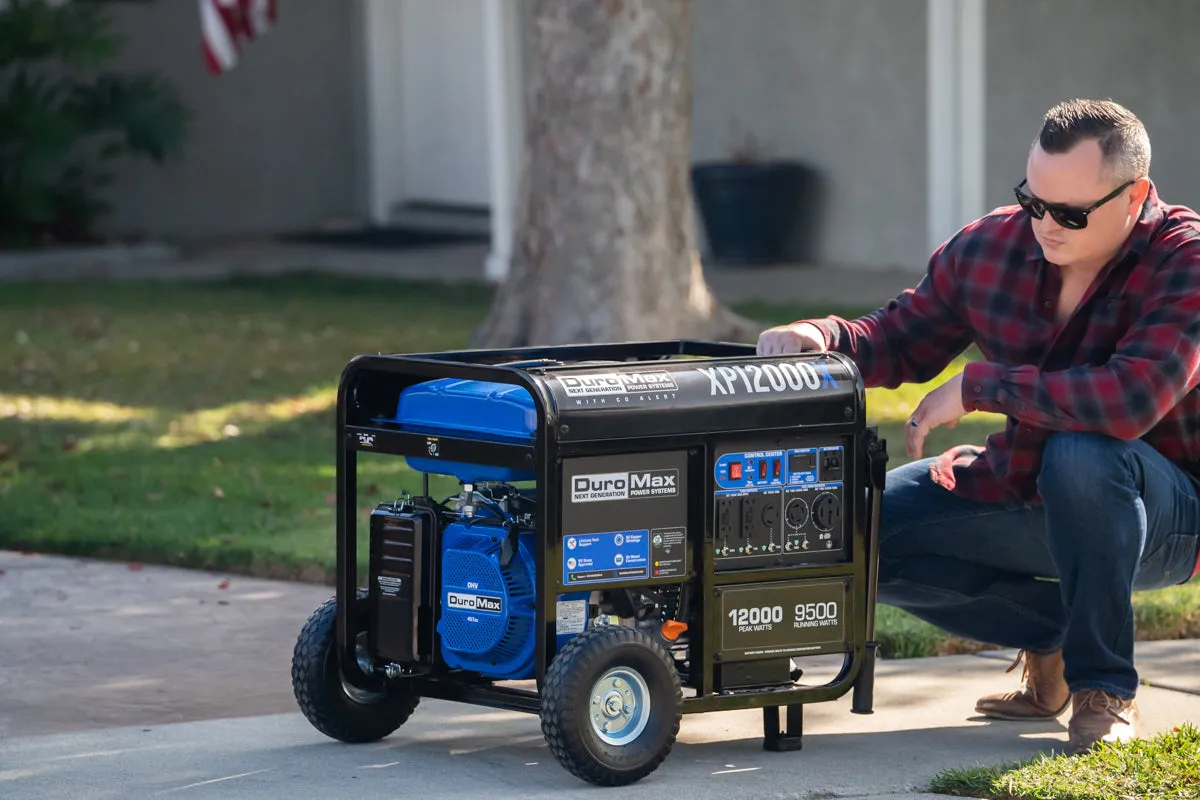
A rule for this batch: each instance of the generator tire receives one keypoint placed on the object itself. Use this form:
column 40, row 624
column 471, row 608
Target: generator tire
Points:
column 634, row 668
column 327, row 701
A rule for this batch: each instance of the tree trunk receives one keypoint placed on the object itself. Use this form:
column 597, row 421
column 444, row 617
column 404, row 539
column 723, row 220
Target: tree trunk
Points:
column 605, row 241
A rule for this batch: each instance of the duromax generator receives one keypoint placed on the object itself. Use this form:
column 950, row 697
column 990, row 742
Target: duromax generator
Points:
column 638, row 531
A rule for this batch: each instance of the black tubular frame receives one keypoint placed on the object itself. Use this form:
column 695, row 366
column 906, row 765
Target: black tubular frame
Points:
column 371, row 382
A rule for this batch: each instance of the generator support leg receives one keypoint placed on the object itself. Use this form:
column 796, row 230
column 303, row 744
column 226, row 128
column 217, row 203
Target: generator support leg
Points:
column 864, row 687
column 782, row 741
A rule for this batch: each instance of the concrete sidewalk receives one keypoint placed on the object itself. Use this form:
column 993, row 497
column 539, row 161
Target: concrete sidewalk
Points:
column 128, row 683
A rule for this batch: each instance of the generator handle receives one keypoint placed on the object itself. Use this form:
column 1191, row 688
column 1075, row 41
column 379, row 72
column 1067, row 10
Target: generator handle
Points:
column 864, row 686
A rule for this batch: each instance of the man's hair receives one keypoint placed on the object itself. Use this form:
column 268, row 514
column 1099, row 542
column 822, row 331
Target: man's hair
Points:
column 1124, row 143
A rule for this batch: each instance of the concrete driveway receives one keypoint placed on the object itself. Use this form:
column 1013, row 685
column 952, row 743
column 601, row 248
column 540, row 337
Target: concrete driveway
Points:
column 120, row 683
column 91, row 645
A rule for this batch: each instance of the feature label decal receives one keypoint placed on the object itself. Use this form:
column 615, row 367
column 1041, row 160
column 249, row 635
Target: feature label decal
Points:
column 615, row 383
column 766, row 378
column 601, row 557
column 474, row 602
column 792, row 618
column 624, row 485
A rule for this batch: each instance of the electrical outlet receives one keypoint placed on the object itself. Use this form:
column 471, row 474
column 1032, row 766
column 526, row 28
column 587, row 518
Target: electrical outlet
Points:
column 729, row 516
column 768, row 514
column 827, row 511
column 796, row 513
column 751, row 508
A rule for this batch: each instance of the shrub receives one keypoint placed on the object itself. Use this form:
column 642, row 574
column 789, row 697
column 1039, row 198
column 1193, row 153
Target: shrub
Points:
column 64, row 117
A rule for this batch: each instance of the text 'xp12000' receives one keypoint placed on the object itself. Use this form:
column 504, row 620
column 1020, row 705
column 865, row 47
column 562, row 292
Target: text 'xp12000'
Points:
column 626, row 533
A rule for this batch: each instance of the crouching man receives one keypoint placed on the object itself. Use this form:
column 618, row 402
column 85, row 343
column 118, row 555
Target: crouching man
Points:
column 1084, row 300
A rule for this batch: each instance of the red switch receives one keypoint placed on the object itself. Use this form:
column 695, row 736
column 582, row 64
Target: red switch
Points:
column 735, row 470
column 762, row 469
column 777, row 468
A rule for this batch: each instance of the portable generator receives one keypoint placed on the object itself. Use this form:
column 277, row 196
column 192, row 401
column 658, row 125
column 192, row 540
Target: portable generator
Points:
column 640, row 531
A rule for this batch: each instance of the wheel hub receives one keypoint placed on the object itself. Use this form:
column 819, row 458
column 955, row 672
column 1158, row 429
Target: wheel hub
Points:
column 620, row 706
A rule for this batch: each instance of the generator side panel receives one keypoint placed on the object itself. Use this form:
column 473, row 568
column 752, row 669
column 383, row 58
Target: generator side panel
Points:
column 624, row 518
column 780, row 503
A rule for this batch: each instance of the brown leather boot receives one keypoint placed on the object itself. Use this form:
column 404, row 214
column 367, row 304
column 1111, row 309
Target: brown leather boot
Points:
column 1098, row 716
column 1044, row 697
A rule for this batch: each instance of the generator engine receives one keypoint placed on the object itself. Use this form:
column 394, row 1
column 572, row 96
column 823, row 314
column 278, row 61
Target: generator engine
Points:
column 481, row 545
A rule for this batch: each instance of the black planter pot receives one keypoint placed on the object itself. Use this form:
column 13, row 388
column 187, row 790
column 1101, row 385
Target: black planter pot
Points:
column 757, row 213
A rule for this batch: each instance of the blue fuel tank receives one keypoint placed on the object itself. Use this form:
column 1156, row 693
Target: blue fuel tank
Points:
column 489, row 411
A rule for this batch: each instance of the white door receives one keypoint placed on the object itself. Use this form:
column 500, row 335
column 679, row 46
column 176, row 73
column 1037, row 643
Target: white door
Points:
column 432, row 130
column 444, row 114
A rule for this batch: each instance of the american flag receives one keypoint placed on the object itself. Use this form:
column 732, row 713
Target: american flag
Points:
column 225, row 23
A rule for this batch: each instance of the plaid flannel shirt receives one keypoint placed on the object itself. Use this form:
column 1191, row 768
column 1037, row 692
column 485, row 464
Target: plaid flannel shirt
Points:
column 1125, row 364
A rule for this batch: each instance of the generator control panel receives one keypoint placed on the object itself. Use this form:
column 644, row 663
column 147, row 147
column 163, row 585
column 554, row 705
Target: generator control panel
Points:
column 779, row 506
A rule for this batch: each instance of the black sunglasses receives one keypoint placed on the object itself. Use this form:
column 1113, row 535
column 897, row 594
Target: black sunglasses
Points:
column 1070, row 217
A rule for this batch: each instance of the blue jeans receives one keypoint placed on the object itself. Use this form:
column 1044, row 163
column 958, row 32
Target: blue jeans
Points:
column 1116, row 517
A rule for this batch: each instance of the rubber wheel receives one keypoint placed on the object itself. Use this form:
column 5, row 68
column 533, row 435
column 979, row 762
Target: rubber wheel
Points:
column 333, row 706
column 611, row 705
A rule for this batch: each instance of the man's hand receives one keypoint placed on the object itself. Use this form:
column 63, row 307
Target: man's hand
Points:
column 798, row 337
column 942, row 406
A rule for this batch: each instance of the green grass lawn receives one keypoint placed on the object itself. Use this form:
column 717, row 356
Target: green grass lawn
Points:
column 1163, row 767
column 192, row 424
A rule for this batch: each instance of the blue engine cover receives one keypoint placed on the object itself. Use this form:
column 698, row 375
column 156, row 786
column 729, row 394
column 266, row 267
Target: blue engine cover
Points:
column 495, row 412
column 488, row 612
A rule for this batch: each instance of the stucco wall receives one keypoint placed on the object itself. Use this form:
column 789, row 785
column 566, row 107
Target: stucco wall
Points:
column 277, row 144
column 274, row 144
column 1142, row 55
column 840, row 85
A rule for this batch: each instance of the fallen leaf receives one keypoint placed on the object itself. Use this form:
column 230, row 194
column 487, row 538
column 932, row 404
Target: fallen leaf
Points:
column 135, row 566
column 69, row 443
column 223, row 584
column 4, row 450
column 373, row 489
column 266, row 502
column 331, row 499
column 218, row 491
